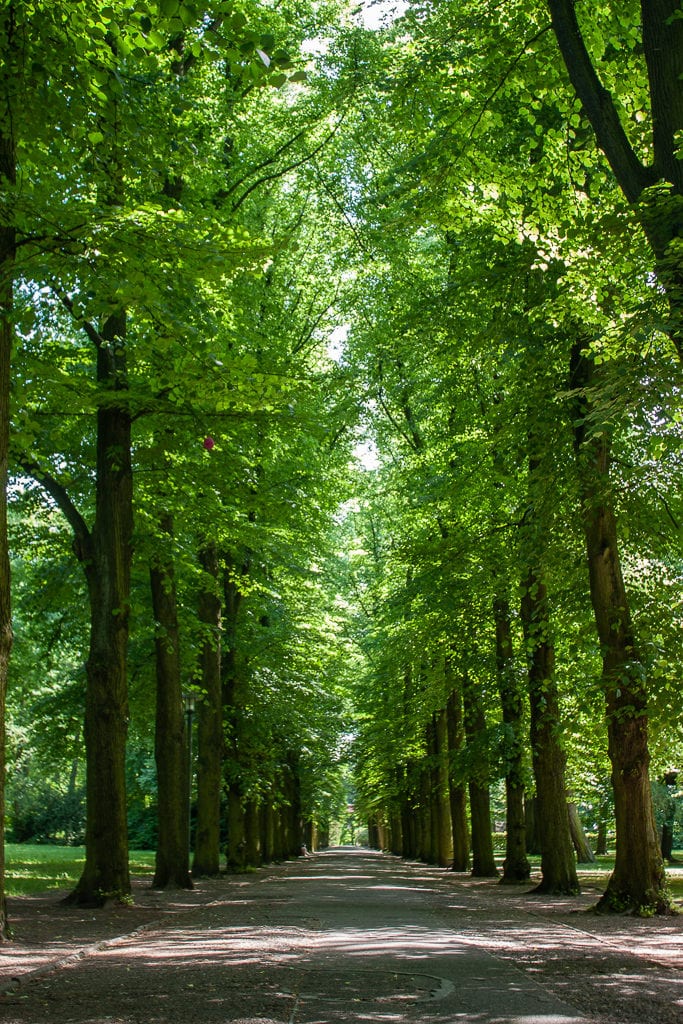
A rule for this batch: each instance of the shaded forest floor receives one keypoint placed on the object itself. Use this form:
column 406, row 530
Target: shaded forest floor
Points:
column 433, row 945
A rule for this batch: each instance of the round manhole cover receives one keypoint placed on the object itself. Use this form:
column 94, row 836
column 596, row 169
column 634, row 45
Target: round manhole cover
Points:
column 371, row 986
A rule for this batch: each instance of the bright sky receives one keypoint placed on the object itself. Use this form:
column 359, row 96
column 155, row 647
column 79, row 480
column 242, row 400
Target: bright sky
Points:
column 375, row 13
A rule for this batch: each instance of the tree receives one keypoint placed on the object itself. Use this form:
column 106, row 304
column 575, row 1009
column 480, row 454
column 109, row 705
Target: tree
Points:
column 655, row 188
column 516, row 866
column 638, row 880
column 171, row 740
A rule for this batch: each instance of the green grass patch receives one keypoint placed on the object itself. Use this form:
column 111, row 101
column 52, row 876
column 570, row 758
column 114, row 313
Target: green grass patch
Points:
column 34, row 869
column 598, row 873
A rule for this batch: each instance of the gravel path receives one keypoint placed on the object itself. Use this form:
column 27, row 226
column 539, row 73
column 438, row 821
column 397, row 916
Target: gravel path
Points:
column 343, row 936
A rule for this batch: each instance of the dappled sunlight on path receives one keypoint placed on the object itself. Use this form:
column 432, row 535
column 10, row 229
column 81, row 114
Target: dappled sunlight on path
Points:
column 353, row 936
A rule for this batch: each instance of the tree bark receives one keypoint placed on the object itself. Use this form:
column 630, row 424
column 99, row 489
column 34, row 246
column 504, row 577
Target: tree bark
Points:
column 231, row 697
column 458, row 793
column 170, row 745
column 584, row 854
column 252, row 834
column 516, row 867
column 533, row 839
column 443, row 790
column 207, row 851
column 236, row 846
column 107, row 565
column 638, row 880
column 483, row 857
column 558, row 866
column 7, row 259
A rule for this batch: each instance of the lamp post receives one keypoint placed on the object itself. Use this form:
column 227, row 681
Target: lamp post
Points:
column 188, row 707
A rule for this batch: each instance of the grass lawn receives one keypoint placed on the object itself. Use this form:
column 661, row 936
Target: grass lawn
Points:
column 34, row 869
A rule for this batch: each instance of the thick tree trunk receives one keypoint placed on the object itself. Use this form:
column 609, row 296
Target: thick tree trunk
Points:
column 558, row 866
column 516, row 867
column 207, row 852
column 483, row 854
column 107, row 565
column 458, row 793
column 7, row 254
column 170, row 745
column 638, row 880
column 483, row 857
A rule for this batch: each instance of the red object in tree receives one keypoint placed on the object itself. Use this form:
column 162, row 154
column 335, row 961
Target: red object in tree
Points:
column 209, row 443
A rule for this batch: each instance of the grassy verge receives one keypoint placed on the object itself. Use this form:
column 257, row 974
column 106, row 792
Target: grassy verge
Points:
column 35, row 869
column 595, row 875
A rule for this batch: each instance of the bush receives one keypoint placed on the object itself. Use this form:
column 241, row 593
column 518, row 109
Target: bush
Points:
column 38, row 811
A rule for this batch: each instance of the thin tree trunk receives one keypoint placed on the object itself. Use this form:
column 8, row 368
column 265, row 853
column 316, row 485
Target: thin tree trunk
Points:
column 533, row 839
column 252, row 834
column 231, row 696
column 638, row 880
column 236, row 846
column 483, row 857
column 516, row 867
column 442, row 790
column 170, row 745
column 294, row 819
column 584, row 854
column 268, row 833
column 458, row 793
column 207, row 850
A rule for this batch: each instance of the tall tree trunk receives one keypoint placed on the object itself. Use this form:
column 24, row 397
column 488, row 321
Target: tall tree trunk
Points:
column 483, row 857
column 458, row 794
column 638, row 880
column 7, row 256
column 231, row 696
column 516, row 867
column 267, row 839
column 207, row 852
column 423, row 810
column 107, row 567
column 558, row 866
column 170, row 743
column 442, row 790
column 236, row 846
column 293, row 806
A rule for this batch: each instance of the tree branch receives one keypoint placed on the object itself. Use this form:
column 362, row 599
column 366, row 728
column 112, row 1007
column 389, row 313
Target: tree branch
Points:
column 632, row 176
column 57, row 491
column 89, row 328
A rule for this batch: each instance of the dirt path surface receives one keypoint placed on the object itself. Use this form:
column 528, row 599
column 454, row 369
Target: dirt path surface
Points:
column 347, row 935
